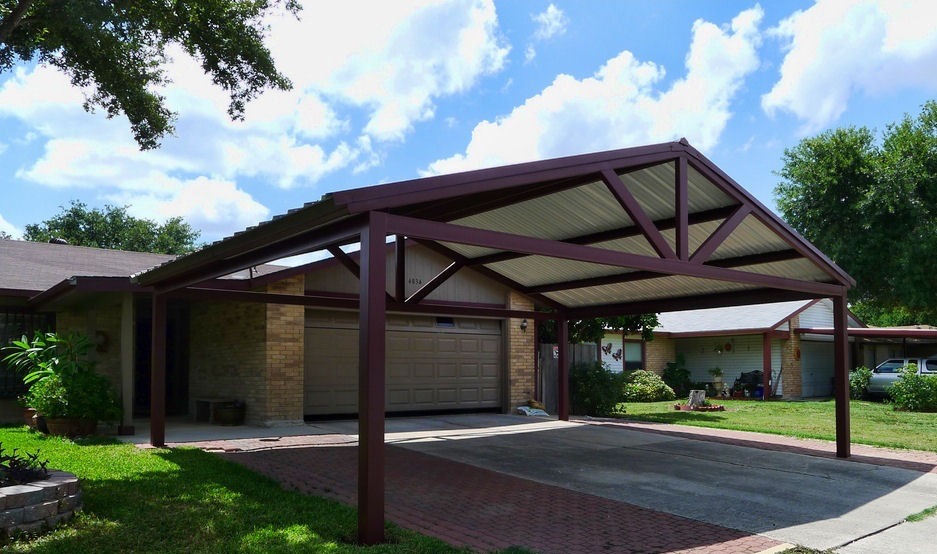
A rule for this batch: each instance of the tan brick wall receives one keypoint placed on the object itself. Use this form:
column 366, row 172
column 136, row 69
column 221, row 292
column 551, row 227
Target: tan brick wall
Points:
column 520, row 354
column 251, row 352
column 285, row 364
column 101, row 324
column 658, row 352
column 228, row 354
column 791, row 376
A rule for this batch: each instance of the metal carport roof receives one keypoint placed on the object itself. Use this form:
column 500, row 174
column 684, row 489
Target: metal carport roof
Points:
column 646, row 229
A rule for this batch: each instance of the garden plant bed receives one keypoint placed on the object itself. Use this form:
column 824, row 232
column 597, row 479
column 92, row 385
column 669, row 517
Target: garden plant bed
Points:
column 706, row 408
column 38, row 505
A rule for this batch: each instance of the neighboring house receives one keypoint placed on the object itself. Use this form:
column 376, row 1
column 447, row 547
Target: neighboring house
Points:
column 736, row 339
column 248, row 351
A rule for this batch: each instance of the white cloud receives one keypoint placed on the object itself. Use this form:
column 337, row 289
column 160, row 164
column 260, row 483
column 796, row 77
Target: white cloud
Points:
column 836, row 49
column 9, row 228
column 217, row 207
column 357, row 81
column 420, row 55
column 551, row 22
column 621, row 105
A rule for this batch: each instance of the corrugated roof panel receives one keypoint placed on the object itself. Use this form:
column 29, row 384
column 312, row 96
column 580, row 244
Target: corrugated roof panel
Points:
column 653, row 188
column 537, row 270
column 751, row 237
column 802, row 267
column 648, row 289
column 569, row 213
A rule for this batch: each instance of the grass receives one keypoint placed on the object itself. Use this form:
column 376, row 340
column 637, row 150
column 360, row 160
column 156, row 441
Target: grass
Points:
column 871, row 423
column 186, row 500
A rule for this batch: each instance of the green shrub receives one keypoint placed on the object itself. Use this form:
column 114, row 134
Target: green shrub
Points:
column 593, row 389
column 646, row 386
column 677, row 376
column 913, row 392
column 859, row 382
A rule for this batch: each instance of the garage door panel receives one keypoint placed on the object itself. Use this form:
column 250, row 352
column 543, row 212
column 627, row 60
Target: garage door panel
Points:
column 428, row 367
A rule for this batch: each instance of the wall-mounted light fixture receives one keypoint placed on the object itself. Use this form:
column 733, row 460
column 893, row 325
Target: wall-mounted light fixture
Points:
column 524, row 325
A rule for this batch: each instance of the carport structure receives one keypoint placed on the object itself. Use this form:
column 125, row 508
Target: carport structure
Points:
column 646, row 229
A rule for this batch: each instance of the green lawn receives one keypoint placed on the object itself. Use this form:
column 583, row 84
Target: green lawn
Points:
column 186, row 500
column 871, row 422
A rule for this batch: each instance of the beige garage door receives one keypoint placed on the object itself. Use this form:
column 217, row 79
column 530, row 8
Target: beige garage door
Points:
column 432, row 363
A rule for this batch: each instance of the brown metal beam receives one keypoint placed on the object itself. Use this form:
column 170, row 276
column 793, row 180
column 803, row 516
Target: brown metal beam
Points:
column 681, row 210
column 766, row 363
column 694, row 302
column 434, row 283
column 447, row 232
column 371, row 378
column 346, row 261
column 716, row 214
column 841, row 375
column 719, row 236
column 637, row 214
column 158, row 373
column 400, row 268
column 562, row 369
column 632, row 276
column 493, row 275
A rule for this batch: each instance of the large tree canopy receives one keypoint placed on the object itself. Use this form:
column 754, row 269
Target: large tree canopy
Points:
column 116, row 50
column 115, row 229
column 871, row 207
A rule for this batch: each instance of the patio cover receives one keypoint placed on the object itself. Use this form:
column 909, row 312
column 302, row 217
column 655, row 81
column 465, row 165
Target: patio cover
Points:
column 646, row 229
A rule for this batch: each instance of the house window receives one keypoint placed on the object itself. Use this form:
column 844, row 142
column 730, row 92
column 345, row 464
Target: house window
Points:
column 13, row 325
column 633, row 353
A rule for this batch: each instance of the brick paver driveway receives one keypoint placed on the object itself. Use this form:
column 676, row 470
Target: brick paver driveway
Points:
column 489, row 482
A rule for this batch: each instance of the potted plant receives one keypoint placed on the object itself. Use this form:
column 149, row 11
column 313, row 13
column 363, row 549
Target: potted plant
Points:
column 64, row 389
column 716, row 373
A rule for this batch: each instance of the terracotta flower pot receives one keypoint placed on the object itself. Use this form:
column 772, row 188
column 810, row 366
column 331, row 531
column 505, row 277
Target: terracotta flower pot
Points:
column 28, row 417
column 71, row 426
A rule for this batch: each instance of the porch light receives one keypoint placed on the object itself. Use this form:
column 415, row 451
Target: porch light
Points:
column 524, row 325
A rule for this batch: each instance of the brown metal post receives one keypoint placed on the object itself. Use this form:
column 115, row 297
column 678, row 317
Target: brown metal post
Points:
column 158, row 373
column 766, row 362
column 371, row 381
column 841, row 375
column 400, row 270
column 562, row 369
column 681, row 210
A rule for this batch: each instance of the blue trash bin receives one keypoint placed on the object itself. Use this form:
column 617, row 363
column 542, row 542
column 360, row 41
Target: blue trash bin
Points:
column 759, row 391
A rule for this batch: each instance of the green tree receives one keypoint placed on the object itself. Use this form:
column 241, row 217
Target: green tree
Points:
column 5, row 235
column 114, row 228
column 870, row 207
column 116, row 50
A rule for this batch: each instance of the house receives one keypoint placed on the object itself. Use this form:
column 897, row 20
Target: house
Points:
column 258, row 353
column 651, row 228
column 774, row 338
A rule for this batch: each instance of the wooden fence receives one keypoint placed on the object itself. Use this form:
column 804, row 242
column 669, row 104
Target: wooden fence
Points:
column 547, row 362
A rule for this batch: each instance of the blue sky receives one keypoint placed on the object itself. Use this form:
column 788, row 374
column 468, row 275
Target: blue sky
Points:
column 388, row 91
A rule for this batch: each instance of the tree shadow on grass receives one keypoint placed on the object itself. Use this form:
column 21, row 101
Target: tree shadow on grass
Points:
column 206, row 504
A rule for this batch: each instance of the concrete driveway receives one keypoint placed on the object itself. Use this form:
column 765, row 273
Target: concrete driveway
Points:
column 812, row 501
column 820, row 502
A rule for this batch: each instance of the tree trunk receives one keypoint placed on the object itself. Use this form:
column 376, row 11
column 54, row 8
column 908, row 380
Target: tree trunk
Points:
column 697, row 399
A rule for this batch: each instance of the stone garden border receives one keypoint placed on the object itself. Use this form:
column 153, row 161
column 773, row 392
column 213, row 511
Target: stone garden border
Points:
column 38, row 505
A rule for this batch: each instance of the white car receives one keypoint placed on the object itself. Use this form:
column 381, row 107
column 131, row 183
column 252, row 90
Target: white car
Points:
column 886, row 373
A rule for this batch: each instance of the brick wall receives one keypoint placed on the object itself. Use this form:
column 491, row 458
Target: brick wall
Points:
column 285, row 363
column 251, row 352
column 228, row 354
column 102, row 326
column 791, row 376
column 520, row 354
column 658, row 352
